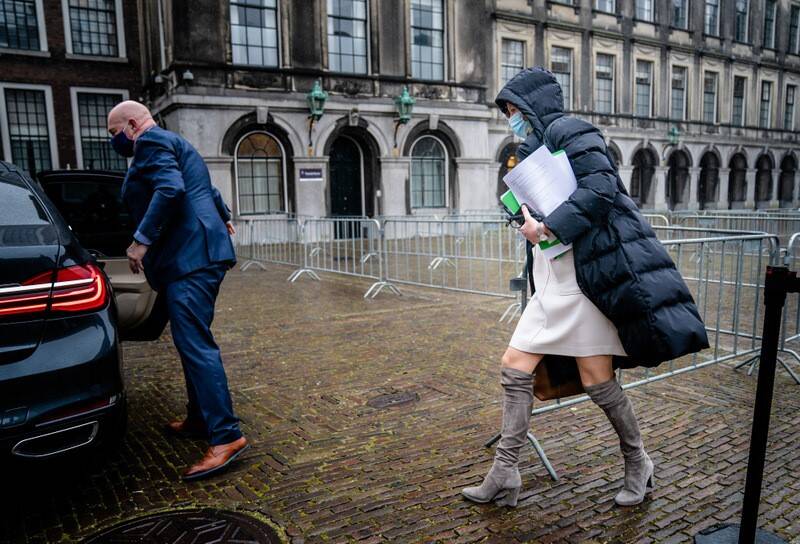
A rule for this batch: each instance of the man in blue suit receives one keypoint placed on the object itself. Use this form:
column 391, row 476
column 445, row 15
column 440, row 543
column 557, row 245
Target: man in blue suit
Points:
column 183, row 246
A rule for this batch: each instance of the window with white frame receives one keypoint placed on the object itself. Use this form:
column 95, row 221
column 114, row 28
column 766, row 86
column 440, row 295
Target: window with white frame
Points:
column 260, row 175
column 765, row 110
column 794, row 29
column 680, row 18
column 739, row 92
column 710, row 97
column 770, row 8
column 711, row 18
column 92, row 133
column 93, row 27
column 254, row 32
column 561, row 66
column 678, row 93
column 644, row 88
column 347, row 36
column 740, row 24
column 28, row 121
column 428, row 173
column 20, row 22
column 604, row 83
column 644, row 10
column 427, row 45
column 788, row 110
column 512, row 59
column 608, row 6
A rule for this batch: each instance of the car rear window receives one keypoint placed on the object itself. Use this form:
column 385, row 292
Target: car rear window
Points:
column 19, row 206
column 95, row 212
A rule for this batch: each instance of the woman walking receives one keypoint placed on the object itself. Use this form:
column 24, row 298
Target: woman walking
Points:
column 615, row 300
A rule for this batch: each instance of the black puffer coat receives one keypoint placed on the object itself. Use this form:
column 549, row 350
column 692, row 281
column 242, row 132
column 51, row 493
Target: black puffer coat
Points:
column 620, row 264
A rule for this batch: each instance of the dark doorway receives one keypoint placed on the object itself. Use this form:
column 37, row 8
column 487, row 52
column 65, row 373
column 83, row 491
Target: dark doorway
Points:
column 644, row 168
column 737, row 181
column 708, row 185
column 786, row 186
column 677, row 180
column 508, row 160
column 346, row 161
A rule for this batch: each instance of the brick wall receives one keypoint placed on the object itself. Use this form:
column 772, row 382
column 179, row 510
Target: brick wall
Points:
column 62, row 73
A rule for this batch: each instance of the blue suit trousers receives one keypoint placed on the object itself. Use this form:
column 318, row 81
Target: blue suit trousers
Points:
column 190, row 304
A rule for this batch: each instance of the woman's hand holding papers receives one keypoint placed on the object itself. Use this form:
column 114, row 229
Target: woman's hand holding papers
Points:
column 533, row 230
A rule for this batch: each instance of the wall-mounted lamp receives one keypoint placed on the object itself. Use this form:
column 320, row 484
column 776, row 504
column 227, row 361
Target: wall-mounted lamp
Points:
column 674, row 135
column 159, row 79
column 316, row 105
column 187, row 76
column 405, row 105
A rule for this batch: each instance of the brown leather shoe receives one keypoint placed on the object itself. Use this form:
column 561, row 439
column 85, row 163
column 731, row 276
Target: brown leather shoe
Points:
column 216, row 459
column 186, row 428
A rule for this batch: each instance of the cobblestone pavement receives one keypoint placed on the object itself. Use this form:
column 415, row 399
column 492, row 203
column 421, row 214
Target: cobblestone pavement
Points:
column 303, row 362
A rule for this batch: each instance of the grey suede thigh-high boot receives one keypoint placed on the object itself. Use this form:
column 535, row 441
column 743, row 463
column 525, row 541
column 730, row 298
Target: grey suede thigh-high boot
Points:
column 503, row 482
column 638, row 466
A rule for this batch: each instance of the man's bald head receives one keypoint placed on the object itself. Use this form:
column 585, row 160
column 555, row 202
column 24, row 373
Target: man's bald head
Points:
column 129, row 114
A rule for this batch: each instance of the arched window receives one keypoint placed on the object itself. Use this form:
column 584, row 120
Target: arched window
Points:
column 614, row 154
column 644, row 167
column 737, row 180
column 260, row 175
column 708, row 185
column 786, row 185
column 428, row 173
column 764, row 178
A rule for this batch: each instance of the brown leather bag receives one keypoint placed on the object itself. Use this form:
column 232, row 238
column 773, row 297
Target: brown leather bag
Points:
column 557, row 377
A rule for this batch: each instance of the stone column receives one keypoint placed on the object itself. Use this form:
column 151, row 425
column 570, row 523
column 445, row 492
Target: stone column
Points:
column 311, row 191
column 395, row 179
column 221, row 171
column 794, row 190
column 750, row 201
column 473, row 189
column 660, row 179
column 724, row 179
column 775, row 201
column 625, row 173
column 694, row 183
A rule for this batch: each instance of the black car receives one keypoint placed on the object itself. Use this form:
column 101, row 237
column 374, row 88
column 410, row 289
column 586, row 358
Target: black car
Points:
column 66, row 301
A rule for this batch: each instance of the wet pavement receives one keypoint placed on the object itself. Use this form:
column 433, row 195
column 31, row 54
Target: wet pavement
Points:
column 368, row 417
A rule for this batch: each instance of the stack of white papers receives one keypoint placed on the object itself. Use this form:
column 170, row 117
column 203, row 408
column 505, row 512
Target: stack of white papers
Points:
column 543, row 181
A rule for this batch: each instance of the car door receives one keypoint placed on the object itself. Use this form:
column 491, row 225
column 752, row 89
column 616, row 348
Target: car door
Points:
column 91, row 204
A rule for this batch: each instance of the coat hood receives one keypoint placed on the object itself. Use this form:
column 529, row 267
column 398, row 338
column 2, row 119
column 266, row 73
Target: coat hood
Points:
column 536, row 93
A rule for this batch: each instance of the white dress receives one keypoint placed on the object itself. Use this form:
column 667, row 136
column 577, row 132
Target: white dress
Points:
column 559, row 319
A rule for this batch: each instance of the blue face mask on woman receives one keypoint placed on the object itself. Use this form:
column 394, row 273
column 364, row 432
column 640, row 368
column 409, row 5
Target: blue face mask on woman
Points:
column 122, row 144
column 519, row 125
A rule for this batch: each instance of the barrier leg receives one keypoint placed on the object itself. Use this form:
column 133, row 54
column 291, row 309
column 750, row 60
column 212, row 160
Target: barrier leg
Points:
column 379, row 286
column 248, row 264
column 511, row 312
column 539, row 451
column 297, row 273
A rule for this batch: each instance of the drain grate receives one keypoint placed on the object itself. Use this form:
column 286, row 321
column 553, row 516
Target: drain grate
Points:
column 392, row 399
column 189, row 526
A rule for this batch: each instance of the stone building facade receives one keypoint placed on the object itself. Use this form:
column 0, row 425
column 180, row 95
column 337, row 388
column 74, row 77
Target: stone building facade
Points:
column 696, row 97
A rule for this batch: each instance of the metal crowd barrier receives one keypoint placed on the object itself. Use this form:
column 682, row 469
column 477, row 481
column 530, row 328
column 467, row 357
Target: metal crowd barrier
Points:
column 273, row 239
column 725, row 274
column 470, row 255
column 781, row 223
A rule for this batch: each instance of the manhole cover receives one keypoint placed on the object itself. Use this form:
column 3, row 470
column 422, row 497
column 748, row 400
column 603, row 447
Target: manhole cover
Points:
column 392, row 399
column 189, row 526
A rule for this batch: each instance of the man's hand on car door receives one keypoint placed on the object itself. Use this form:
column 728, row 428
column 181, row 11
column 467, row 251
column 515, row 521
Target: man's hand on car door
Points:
column 135, row 254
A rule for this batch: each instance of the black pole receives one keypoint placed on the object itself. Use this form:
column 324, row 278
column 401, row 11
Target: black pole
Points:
column 779, row 281
column 775, row 288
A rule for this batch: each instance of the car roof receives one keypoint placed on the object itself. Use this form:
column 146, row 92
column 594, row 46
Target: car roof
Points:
column 81, row 175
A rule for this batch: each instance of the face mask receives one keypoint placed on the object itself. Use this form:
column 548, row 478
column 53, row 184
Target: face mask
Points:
column 122, row 144
column 519, row 125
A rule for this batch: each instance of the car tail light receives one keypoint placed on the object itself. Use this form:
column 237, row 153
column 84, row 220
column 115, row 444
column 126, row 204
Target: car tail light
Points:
column 76, row 288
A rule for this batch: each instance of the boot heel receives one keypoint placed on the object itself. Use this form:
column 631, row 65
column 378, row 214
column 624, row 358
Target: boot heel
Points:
column 510, row 498
column 650, row 485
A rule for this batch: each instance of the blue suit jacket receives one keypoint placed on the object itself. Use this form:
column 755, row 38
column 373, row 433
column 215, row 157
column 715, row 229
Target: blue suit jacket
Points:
column 179, row 213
